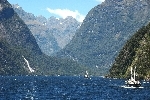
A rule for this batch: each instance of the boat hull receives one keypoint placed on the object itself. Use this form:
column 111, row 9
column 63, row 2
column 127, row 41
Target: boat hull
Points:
column 133, row 85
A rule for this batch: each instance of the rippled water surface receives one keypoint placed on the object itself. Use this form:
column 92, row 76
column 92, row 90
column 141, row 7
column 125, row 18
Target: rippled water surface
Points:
column 69, row 88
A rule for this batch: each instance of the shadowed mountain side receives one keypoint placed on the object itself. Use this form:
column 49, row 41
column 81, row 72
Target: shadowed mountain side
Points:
column 20, row 54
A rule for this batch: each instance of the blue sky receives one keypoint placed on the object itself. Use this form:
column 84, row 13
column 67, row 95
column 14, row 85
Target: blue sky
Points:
column 58, row 8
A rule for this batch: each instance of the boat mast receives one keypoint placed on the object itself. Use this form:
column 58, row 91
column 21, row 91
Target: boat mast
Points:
column 131, row 73
column 134, row 72
column 87, row 72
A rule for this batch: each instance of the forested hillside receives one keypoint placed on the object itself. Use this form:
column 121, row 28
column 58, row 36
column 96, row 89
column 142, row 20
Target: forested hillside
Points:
column 104, row 32
column 135, row 53
column 20, row 53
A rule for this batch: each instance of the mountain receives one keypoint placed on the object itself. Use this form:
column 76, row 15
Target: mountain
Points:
column 104, row 31
column 16, row 41
column 51, row 34
column 135, row 53
column 20, row 53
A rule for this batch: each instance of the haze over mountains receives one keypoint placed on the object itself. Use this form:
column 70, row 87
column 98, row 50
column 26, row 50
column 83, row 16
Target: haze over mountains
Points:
column 105, row 30
column 51, row 34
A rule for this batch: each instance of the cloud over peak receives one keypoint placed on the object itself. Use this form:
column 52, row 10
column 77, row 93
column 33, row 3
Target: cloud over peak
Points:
column 100, row 1
column 66, row 12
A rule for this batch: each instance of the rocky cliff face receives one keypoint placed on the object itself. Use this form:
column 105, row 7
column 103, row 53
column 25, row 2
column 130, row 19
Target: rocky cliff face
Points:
column 51, row 34
column 105, row 30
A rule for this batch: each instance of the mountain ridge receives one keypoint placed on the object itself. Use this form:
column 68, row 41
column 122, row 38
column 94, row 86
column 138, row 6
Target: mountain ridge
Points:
column 51, row 34
column 104, row 31
column 20, row 53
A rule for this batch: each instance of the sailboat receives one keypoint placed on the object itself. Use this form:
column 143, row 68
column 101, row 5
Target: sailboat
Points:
column 132, row 82
column 86, row 75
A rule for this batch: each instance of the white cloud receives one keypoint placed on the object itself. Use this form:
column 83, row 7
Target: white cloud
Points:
column 66, row 12
column 100, row 1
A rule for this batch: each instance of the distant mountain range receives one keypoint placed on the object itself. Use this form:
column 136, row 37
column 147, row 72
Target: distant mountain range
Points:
column 135, row 53
column 104, row 32
column 51, row 34
column 20, row 53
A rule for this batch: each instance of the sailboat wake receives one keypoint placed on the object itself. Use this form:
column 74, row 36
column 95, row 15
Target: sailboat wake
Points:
column 131, row 87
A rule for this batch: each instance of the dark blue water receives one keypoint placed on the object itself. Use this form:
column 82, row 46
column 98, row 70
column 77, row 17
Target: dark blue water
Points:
column 68, row 88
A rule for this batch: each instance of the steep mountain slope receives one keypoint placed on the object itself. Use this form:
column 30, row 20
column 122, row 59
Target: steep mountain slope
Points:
column 105, row 30
column 12, row 26
column 16, row 41
column 51, row 34
column 20, row 54
column 135, row 53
